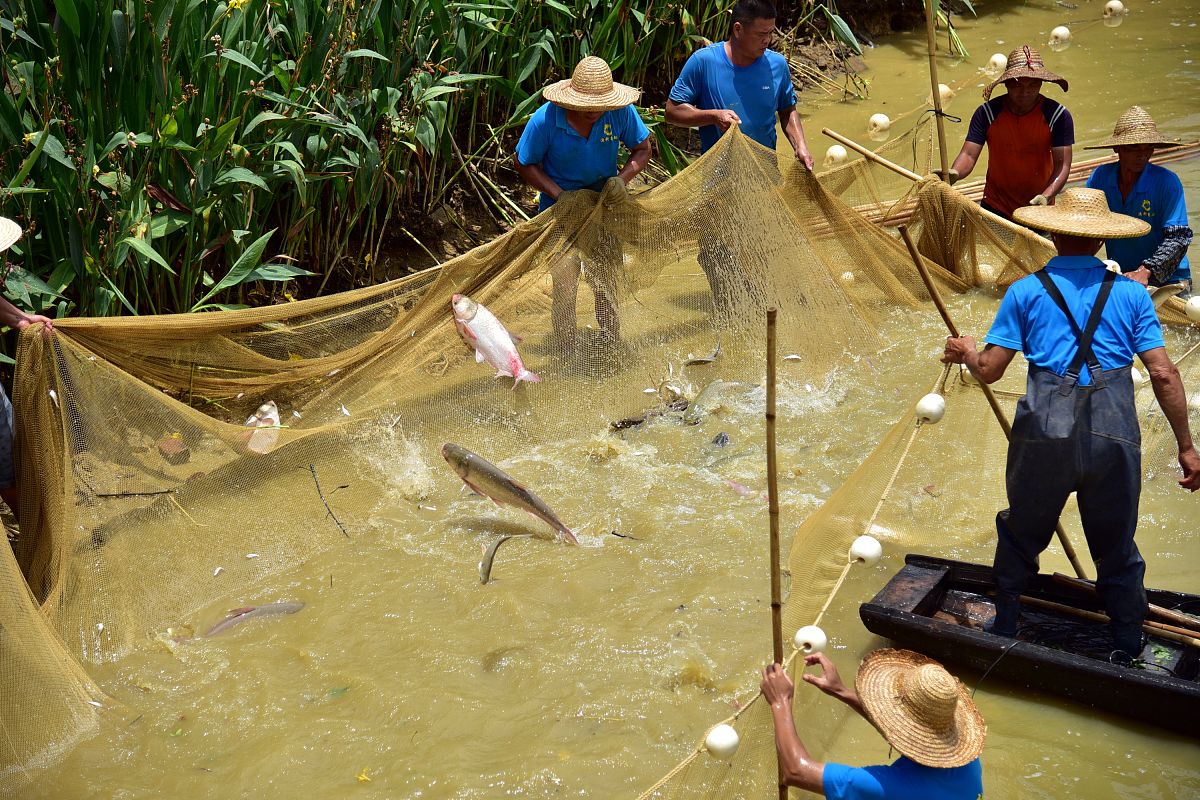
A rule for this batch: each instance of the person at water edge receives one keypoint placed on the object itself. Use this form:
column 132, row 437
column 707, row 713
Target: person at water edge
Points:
column 1028, row 136
column 12, row 317
column 1149, row 192
column 1076, row 429
column 572, row 142
column 922, row 711
column 739, row 81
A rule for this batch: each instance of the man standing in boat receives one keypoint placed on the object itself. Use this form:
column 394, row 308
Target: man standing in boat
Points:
column 1076, row 429
column 1029, row 138
column 1149, row 192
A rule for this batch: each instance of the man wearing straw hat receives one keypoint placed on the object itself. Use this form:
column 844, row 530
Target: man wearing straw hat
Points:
column 12, row 317
column 1028, row 137
column 1149, row 192
column 572, row 142
column 1076, row 428
column 923, row 712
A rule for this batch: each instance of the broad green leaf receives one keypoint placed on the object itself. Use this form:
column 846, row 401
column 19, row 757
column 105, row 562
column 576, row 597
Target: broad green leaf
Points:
column 238, row 58
column 260, row 118
column 246, row 264
column 239, row 175
column 436, row 91
column 365, row 53
column 55, row 151
column 224, row 135
column 68, row 14
column 167, row 222
column 146, row 249
column 841, row 31
column 31, row 159
column 277, row 272
column 465, row 77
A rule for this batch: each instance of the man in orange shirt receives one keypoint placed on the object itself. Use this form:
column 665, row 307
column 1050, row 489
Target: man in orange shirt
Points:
column 1029, row 138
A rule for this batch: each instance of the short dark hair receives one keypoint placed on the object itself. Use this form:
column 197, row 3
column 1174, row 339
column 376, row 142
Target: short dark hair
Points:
column 746, row 11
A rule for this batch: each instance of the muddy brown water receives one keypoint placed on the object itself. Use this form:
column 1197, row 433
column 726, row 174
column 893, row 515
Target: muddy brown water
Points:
column 590, row 672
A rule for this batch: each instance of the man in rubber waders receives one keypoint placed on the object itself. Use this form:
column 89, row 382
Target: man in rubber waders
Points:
column 1076, row 429
column 1029, row 138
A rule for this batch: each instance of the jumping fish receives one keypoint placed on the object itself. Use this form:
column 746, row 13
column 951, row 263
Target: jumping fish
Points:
column 489, row 480
column 492, row 343
column 240, row 615
column 489, row 557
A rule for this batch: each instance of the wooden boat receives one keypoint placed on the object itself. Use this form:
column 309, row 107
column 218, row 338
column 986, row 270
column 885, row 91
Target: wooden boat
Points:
column 939, row 607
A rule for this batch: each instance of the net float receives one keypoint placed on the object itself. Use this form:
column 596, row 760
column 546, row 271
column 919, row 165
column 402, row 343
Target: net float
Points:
column 722, row 741
column 931, row 408
column 810, row 639
column 878, row 127
column 866, row 549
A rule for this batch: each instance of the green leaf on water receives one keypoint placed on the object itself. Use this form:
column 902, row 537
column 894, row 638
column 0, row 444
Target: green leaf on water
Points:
column 1160, row 653
column 177, row 732
column 338, row 691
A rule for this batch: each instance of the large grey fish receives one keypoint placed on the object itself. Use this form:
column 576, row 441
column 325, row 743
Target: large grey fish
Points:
column 489, row 480
column 240, row 615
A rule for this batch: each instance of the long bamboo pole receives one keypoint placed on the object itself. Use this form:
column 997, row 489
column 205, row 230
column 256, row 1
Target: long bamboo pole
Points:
column 1067, row 547
column 1181, row 620
column 773, row 512
column 933, row 82
column 1153, row 629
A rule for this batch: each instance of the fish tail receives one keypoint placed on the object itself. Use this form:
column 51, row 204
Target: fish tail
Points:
column 526, row 375
column 566, row 534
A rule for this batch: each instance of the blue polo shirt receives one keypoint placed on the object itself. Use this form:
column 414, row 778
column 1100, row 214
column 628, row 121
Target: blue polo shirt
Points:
column 903, row 780
column 1030, row 321
column 756, row 93
column 1157, row 198
column 570, row 160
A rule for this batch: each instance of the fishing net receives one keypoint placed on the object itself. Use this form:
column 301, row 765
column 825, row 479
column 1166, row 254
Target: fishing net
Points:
column 145, row 497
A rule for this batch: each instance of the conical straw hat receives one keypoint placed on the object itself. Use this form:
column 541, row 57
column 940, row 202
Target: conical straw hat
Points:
column 1135, row 126
column 1082, row 212
column 9, row 233
column 591, row 88
column 921, row 709
column 1025, row 62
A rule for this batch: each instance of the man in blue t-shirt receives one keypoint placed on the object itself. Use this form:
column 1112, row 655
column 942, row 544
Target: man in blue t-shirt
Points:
column 741, row 82
column 1149, row 192
column 922, row 711
column 572, row 142
column 1076, row 429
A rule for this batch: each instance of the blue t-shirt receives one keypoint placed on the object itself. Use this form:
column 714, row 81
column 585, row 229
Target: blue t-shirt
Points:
column 570, row 160
column 903, row 780
column 1030, row 321
column 1157, row 198
column 756, row 93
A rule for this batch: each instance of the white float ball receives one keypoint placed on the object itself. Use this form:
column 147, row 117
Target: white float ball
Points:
column 931, row 408
column 810, row 639
column 1060, row 38
column 1112, row 266
column 836, row 154
column 722, row 741
column 945, row 95
column 1113, row 8
column 878, row 127
column 1192, row 308
column 866, row 549
column 967, row 376
column 997, row 63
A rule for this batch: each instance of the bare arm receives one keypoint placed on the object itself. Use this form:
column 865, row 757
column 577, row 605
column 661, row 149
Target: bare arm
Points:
column 535, row 176
column 988, row 365
column 638, row 158
column 1062, row 170
column 15, row 318
column 687, row 115
column 1168, row 388
column 965, row 161
column 799, row 768
column 789, row 118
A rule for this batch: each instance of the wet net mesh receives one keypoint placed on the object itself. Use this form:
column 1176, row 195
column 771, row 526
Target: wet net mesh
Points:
column 138, row 474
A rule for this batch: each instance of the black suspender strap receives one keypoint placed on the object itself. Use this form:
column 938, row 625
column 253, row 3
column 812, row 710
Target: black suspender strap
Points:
column 1084, row 338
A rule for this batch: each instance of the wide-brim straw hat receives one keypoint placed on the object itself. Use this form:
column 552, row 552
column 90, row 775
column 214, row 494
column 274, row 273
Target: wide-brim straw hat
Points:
column 1025, row 62
column 10, row 232
column 921, row 709
column 1082, row 212
column 1135, row 126
column 591, row 88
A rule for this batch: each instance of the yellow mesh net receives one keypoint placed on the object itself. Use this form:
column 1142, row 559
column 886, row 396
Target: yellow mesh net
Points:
column 138, row 474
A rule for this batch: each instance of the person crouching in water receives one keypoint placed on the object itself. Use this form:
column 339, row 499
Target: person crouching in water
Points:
column 1076, row 428
column 923, row 712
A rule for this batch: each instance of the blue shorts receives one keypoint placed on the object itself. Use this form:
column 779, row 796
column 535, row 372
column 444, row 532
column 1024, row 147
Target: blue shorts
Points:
column 8, row 474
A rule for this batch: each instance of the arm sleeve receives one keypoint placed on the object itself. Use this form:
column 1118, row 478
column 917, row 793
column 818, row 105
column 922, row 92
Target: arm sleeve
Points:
column 1006, row 329
column 685, row 88
column 1062, row 128
column 841, row 782
column 633, row 130
column 532, row 146
column 977, row 132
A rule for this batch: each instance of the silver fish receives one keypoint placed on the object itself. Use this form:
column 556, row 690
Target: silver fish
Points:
column 240, row 615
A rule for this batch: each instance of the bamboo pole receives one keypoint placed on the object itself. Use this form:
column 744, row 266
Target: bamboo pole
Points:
column 1153, row 629
column 773, row 512
column 933, row 82
column 1182, row 620
column 1067, row 547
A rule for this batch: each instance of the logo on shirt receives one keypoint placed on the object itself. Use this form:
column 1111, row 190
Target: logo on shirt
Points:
column 608, row 136
column 1146, row 210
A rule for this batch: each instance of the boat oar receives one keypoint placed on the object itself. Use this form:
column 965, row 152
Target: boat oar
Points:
column 773, row 513
column 987, row 390
column 1183, row 620
column 1158, row 629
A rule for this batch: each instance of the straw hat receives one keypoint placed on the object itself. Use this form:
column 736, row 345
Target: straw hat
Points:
column 9, row 233
column 1025, row 62
column 921, row 709
column 1082, row 212
column 591, row 88
column 1135, row 126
